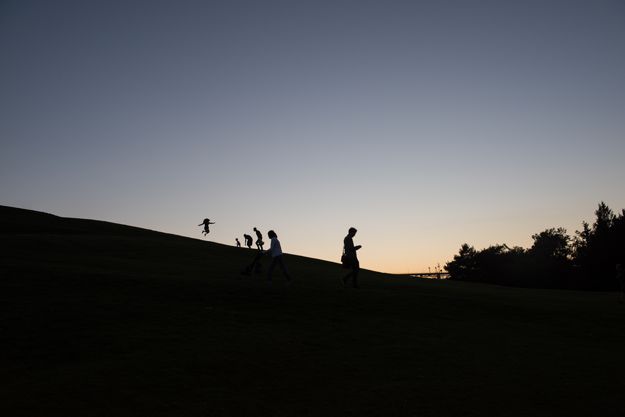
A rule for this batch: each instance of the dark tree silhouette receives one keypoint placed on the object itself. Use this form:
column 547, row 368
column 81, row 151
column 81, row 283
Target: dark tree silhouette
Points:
column 551, row 244
column 463, row 266
column 555, row 260
column 598, row 248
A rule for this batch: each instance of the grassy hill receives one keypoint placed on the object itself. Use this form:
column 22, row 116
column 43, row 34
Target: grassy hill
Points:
column 100, row 319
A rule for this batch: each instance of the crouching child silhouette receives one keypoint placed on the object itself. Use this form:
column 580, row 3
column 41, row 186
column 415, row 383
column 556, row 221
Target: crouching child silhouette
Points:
column 248, row 241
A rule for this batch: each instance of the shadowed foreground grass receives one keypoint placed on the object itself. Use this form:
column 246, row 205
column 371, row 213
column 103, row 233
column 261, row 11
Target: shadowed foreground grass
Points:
column 107, row 320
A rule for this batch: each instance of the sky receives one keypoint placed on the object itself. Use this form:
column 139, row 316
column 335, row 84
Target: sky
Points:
column 424, row 124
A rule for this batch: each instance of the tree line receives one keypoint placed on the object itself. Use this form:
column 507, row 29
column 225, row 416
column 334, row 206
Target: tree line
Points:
column 584, row 261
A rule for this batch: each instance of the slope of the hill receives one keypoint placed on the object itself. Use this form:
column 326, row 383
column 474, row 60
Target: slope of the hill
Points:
column 100, row 319
column 21, row 221
column 41, row 243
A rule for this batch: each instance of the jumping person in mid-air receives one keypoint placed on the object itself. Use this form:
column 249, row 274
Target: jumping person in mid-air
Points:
column 206, row 222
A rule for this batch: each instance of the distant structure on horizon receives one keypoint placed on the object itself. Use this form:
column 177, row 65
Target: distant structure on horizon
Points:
column 431, row 275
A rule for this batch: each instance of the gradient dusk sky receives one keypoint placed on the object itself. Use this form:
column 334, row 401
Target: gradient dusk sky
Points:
column 424, row 124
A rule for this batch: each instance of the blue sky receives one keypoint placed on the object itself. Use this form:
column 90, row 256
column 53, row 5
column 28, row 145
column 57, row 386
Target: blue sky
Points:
column 423, row 124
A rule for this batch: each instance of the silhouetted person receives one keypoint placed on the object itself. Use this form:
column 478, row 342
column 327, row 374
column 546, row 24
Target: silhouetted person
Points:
column 238, row 243
column 259, row 240
column 206, row 222
column 351, row 260
column 248, row 241
column 275, row 250
column 620, row 277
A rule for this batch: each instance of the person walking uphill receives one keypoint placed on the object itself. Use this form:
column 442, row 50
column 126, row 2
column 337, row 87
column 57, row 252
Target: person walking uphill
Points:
column 259, row 240
column 275, row 250
column 351, row 259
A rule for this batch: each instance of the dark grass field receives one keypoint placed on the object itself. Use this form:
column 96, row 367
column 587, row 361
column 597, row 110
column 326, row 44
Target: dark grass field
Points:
column 99, row 319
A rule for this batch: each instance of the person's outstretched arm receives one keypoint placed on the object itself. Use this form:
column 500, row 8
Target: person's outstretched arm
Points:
column 357, row 247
